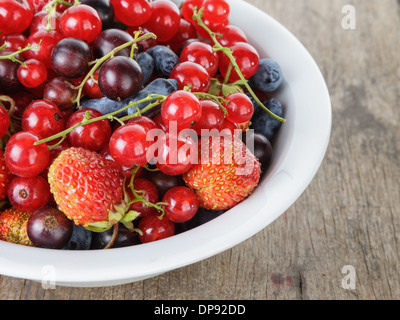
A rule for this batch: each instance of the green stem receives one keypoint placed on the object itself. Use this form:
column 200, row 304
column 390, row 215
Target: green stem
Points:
column 97, row 63
column 197, row 15
column 219, row 100
column 109, row 116
column 11, row 56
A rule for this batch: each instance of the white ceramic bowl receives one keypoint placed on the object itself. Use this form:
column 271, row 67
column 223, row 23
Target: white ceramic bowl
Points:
column 299, row 151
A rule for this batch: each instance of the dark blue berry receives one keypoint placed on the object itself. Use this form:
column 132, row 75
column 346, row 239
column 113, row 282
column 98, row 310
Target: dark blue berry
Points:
column 158, row 86
column 124, row 238
column 202, row 216
column 268, row 77
column 263, row 122
column 164, row 58
column 81, row 239
column 146, row 63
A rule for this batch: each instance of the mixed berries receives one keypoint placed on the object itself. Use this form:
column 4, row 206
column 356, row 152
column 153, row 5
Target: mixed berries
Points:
column 127, row 121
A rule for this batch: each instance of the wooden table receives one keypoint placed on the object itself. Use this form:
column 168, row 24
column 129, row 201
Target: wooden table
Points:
column 349, row 215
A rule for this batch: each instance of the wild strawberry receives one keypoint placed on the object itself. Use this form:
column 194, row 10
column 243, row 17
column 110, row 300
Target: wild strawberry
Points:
column 226, row 173
column 87, row 188
column 13, row 226
column 5, row 176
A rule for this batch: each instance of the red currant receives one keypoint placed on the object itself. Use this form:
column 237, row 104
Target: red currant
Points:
column 23, row 157
column 91, row 87
column 230, row 35
column 147, row 190
column 240, row 108
column 145, row 122
column 193, row 75
column 90, row 136
column 46, row 41
column 132, row 12
column 212, row 117
column 82, row 22
column 164, row 20
column 4, row 121
column 183, row 107
column 41, row 20
column 187, row 8
column 29, row 194
column 128, row 145
column 182, row 204
column 154, row 228
column 202, row 54
column 175, row 153
column 32, row 74
column 247, row 59
column 13, row 41
column 185, row 32
column 42, row 117
column 216, row 11
column 14, row 16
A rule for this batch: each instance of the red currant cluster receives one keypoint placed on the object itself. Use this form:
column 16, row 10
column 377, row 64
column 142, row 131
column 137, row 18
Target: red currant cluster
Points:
column 104, row 76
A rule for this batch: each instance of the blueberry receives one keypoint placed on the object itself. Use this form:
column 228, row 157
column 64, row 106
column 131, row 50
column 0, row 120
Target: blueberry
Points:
column 81, row 239
column 263, row 122
column 202, row 216
column 146, row 63
column 105, row 105
column 164, row 58
column 268, row 77
column 124, row 238
column 158, row 86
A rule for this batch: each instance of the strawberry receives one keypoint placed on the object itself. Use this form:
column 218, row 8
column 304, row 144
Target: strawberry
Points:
column 226, row 173
column 13, row 226
column 5, row 176
column 87, row 188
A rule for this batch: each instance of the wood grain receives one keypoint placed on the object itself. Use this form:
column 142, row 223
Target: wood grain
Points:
column 349, row 215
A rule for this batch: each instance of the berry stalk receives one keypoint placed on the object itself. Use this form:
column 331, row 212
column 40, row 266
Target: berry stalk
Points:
column 110, row 116
column 11, row 56
column 197, row 15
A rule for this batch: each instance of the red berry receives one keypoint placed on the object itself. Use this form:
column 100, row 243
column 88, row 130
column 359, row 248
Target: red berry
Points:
column 230, row 35
column 90, row 136
column 183, row 107
column 182, row 204
column 164, row 20
column 240, row 109
column 216, row 11
column 246, row 57
column 132, row 12
column 13, row 41
column 32, row 74
column 23, row 158
column 46, row 41
column 148, row 192
column 187, row 8
column 202, row 54
column 14, row 16
column 29, row 194
column 175, row 153
column 4, row 121
column 154, row 228
column 43, row 118
column 212, row 117
column 82, row 22
column 193, row 75
column 128, row 145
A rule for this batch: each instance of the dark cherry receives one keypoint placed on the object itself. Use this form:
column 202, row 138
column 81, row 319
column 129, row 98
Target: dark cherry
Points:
column 120, row 77
column 110, row 39
column 61, row 92
column 259, row 145
column 70, row 58
column 163, row 182
column 49, row 228
column 9, row 82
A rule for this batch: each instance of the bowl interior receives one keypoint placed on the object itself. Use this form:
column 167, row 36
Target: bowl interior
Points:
column 299, row 149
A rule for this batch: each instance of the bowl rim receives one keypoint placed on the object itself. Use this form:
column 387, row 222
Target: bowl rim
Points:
column 108, row 267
